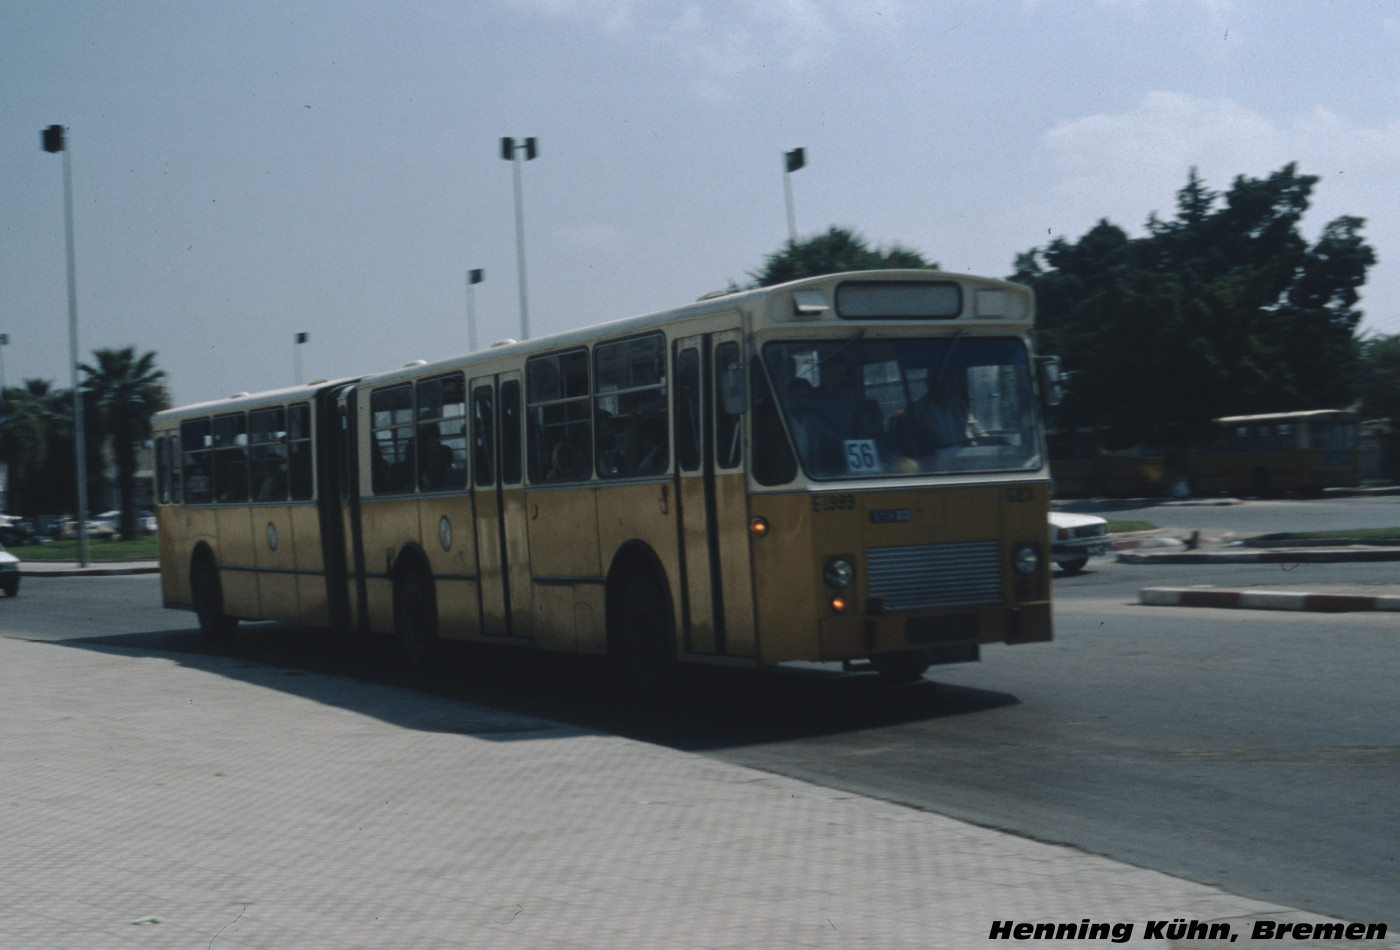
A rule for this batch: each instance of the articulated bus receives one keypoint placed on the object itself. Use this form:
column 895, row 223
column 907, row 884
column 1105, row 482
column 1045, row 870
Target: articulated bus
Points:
column 847, row 468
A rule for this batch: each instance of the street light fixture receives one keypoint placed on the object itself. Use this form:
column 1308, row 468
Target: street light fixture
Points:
column 300, row 339
column 792, row 161
column 510, row 151
column 53, row 139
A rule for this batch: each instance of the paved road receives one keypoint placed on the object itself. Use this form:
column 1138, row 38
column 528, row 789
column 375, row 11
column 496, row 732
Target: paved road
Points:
column 1254, row 752
column 1251, row 516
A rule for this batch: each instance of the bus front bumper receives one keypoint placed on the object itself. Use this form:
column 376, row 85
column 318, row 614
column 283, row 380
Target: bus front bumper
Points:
column 857, row 637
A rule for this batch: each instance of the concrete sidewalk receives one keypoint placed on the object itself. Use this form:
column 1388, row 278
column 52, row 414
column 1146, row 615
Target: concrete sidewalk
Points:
column 91, row 569
column 187, row 800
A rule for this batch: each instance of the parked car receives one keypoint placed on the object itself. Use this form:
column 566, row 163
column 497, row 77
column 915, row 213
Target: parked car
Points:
column 14, row 531
column 9, row 573
column 1075, row 538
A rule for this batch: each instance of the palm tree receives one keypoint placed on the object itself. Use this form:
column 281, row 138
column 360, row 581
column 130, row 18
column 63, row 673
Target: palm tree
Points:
column 37, row 420
column 125, row 391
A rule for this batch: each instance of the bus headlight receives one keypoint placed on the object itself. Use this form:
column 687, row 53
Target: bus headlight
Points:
column 1026, row 559
column 838, row 573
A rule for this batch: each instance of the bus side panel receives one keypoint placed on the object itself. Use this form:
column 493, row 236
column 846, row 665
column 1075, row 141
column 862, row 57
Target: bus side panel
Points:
column 642, row 512
column 310, row 566
column 237, row 560
column 736, row 568
column 274, row 548
column 388, row 525
column 787, row 590
column 174, row 557
column 445, row 525
column 564, row 565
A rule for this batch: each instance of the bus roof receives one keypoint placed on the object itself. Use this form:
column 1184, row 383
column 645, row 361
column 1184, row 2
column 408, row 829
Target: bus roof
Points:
column 993, row 302
column 1305, row 415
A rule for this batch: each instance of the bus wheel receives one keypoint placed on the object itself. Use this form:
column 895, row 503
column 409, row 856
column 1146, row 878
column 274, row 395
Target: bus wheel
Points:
column 647, row 641
column 208, row 597
column 415, row 618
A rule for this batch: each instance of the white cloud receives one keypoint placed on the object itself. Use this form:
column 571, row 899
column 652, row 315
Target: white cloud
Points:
column 723, row 40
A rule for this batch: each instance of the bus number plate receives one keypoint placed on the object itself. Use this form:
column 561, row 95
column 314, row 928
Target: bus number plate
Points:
column 891, row 516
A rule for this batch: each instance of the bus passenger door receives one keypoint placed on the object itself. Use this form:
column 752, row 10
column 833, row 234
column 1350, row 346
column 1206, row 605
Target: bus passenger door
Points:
column 502, row 543
column 717, row 605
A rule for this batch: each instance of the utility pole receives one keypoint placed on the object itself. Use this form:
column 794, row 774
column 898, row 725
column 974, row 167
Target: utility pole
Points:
column 54, row 141
column 474, row 277
column 792, row 161
column 510, row 151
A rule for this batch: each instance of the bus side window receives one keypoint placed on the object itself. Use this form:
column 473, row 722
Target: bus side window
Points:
column 391, row 440
column 728, row 433
column 231, row 458
column 688, row 403
column 559, row 423
column 442, row 433
column 299, row 452
column 510, row 432
column 195, row 440
column 483, row 436
column 162, row 472
column 629, row 407
column 268, row 436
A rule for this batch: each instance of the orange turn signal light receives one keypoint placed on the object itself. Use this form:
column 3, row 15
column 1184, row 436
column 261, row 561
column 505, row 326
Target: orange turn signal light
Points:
column 758, row 527
column 839, row 604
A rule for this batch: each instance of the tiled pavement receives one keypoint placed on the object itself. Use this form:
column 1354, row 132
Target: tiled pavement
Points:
column 145, row 803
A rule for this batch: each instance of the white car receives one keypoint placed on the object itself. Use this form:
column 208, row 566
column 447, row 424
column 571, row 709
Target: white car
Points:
column 9, row 573
column 1075, row 538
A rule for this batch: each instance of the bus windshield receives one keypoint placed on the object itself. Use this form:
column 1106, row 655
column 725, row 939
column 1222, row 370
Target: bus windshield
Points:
column 907, row 407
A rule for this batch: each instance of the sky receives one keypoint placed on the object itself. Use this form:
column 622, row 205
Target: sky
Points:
column 246, row 171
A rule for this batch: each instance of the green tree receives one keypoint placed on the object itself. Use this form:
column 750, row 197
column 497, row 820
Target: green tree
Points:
column 36, row 438
column 125, row 390
column 1225, row 309
column 1380, row 393
column 834, row 252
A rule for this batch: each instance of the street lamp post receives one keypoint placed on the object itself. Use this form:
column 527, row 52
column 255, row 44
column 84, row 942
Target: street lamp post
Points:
column 297, row 343
column 54, row 141
column 510, row 151
column 792, row 161
column 474, row 277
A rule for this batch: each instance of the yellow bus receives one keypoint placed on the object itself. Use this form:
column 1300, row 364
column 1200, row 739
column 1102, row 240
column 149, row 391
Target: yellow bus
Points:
column 1277, row 452
column 845, row 468
column 1261, row 455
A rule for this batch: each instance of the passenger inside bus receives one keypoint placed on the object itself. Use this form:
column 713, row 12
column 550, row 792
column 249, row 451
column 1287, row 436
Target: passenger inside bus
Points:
column 937, row 420
column 436, row 462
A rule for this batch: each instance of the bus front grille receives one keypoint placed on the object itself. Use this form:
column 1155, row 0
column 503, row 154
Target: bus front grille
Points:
column 910, row 577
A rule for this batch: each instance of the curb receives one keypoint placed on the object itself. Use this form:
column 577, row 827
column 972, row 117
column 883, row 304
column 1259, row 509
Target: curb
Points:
column 1265, row 600
column 1274, row 556
column 30, row 569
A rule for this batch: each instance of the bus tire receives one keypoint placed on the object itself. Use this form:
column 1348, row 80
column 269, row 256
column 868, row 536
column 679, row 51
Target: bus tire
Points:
column 208, row 595
column 415, row 617
column 647, row 641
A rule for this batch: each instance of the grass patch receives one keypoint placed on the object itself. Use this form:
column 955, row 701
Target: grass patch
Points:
column 1361, row 534
column 141, row 549
column 1122, row 527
